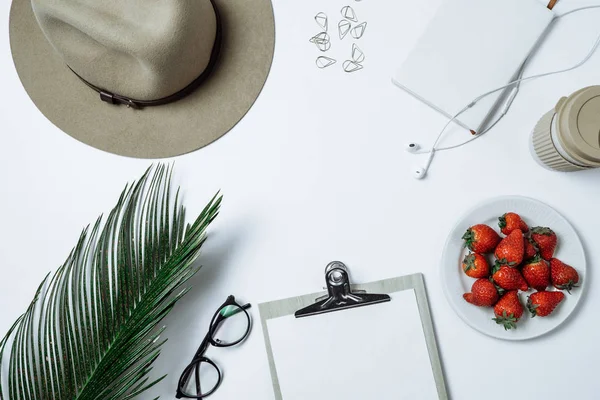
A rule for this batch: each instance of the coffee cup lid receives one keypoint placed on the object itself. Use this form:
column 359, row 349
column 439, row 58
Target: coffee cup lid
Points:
column 578, row 125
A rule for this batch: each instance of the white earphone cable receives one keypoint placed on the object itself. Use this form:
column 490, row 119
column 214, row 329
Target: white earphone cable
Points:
column 507, row 105
column 512, row 96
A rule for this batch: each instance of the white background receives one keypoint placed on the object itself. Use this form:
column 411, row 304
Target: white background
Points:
column 316, row 172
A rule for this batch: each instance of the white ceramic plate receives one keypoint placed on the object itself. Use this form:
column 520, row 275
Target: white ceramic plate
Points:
column 455, row 282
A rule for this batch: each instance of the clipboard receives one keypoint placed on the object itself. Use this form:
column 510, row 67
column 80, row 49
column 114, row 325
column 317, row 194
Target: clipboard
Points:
column 373, row 340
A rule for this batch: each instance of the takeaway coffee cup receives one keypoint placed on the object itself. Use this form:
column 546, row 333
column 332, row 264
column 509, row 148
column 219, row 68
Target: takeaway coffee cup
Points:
column 568, row 137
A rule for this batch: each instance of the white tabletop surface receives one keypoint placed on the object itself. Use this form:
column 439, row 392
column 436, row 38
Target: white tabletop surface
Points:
column 317, row 172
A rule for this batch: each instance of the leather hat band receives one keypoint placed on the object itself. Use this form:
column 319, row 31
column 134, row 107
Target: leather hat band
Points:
column 117, row 99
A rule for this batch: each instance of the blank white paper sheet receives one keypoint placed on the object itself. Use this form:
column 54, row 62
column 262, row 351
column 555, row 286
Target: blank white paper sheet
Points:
column 377, row 351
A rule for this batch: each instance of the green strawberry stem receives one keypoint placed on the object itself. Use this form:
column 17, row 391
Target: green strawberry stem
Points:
column 539, row 230
column 567, row 286
column 508, row 321
column 469, row 262
column 536, row 259
column 532, row 307
column 469, row 238
column 502, row 222
column 502, row 262
column 498, row 288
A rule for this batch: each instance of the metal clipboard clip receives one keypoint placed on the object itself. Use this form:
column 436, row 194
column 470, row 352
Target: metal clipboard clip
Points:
column 340, row 295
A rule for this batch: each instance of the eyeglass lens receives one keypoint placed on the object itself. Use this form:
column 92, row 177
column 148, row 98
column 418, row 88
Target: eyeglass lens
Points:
column 233, row 328
column 203, row 379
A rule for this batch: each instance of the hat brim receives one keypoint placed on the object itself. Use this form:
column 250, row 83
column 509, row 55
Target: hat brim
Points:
column 154, row 132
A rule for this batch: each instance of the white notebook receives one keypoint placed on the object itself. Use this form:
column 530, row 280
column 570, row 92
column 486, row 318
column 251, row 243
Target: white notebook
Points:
column 469, row 48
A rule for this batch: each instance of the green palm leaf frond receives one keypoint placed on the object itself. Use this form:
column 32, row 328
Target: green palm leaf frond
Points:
column 91, row 331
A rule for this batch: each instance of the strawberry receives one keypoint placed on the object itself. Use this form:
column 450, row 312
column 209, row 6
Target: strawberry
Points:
column 508, row 310
column 476, row 266
column 511, row 249
column 511, row 221
column 509, row 278
column 483, row 293
column 564, row 277
column 530, row 248
column 537, row 273
column 543, row 303
column 481, row 239
column 546, row 240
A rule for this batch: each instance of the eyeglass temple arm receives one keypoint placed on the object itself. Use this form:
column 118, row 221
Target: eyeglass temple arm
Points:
column 203, row 346
column 199, row 353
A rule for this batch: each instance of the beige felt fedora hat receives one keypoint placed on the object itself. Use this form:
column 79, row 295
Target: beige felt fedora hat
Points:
column 143, row 78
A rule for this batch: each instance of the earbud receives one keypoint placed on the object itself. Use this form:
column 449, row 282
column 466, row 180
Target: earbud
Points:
column 420, row 172
column 412, row 147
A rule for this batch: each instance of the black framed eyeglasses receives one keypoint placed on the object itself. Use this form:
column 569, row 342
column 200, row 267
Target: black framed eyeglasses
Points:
column 229, row 326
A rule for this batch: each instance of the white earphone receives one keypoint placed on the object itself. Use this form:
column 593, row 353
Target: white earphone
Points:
column 415, row 148
column 420, row 172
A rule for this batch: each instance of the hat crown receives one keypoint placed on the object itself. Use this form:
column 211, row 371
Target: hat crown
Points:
column 142, row 49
